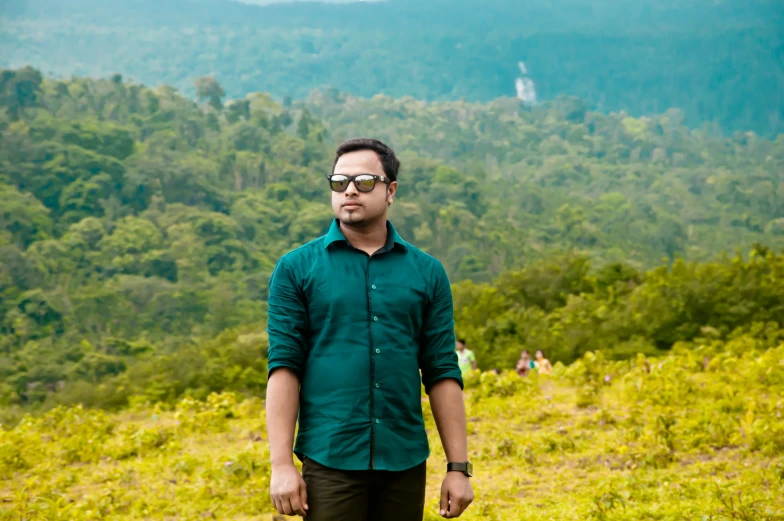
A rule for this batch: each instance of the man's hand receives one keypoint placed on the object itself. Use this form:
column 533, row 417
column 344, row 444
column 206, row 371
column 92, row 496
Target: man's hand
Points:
column 287, row 489
column 456, row 494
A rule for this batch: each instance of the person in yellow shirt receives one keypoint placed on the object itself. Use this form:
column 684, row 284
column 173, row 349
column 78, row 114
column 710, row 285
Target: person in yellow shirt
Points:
column 542, row 364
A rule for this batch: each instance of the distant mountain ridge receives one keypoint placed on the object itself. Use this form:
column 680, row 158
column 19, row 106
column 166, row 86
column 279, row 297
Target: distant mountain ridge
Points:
column 719, row 62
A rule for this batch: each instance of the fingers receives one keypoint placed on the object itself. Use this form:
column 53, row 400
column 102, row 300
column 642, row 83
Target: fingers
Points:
column 296, row 505
column 290, row 504
column 457, row 507
column 444, row 509
column 283, row 506
column 303, row 495
column 454, row 502
column 288, row 492
column 466, row 499
column 298, row 499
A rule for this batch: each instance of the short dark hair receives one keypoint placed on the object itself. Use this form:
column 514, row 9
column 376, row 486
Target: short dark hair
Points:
column 461, row 341
column 386, row 155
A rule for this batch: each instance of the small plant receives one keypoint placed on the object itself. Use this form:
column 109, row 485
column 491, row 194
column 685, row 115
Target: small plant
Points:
column 734, row 506
column 605, row 505
column 505, row 448
column 12, row 459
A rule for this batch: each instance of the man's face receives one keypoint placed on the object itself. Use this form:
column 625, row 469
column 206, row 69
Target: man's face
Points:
column 460, row 346
column 356, row 208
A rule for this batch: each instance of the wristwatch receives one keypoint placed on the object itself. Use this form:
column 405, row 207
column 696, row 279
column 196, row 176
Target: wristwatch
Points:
column 466, row 468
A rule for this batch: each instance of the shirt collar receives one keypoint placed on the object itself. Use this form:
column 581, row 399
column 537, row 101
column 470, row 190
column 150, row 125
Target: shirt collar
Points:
column 336, row 235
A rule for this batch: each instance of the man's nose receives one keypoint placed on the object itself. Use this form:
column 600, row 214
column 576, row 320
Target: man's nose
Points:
column 351, row 190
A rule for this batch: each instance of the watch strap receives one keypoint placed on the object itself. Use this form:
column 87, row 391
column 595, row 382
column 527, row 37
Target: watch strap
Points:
column 464, row 467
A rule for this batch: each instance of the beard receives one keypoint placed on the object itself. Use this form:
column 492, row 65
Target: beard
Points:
column 362, row 217
column 355, row 219
column 351, row 219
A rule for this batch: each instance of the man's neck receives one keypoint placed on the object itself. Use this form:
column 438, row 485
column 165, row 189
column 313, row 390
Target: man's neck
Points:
column 369, row 239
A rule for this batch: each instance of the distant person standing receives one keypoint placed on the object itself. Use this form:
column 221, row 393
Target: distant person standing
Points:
column 524, row 364
column 541, row 363
column 465, row 357
column 354, row 316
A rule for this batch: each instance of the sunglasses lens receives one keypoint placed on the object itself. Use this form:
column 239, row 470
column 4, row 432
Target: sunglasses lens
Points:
column 338, row 183
column 365, row 183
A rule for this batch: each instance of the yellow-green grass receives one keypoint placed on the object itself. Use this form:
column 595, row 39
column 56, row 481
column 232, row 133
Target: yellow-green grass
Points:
column 696, row 435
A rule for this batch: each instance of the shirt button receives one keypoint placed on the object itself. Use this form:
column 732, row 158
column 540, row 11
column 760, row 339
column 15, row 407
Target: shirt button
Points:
column 378, row 421
column 377, row 386
column 373, row 286
column 375, row 319
column 378, row 350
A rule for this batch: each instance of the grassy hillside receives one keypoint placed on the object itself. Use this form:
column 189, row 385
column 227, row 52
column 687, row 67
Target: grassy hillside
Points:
column 717, row 61
column 696, row 435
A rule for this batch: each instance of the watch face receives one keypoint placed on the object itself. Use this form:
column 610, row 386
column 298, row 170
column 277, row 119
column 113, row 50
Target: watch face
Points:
column 466, row 468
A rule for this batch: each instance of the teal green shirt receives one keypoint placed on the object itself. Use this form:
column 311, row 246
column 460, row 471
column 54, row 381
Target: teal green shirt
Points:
column 357, row 329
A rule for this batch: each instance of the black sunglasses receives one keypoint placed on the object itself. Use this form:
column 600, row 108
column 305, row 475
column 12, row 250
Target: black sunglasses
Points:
column 363, row 182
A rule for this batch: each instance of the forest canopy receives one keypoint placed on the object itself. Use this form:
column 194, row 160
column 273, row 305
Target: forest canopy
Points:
column 138, row 228
column 718, row 62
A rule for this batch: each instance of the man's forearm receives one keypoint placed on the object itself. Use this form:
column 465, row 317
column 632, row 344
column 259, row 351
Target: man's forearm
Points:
column 446, row 401
column 282, row 409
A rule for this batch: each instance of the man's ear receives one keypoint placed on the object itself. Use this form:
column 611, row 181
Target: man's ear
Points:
column 391, row 189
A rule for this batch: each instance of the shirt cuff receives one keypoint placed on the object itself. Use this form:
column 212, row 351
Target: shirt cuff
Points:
column 454, row 374
column 277, row 364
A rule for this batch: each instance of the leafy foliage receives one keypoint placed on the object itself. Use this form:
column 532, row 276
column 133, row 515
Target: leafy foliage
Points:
column 138, row 229
column 566, row 309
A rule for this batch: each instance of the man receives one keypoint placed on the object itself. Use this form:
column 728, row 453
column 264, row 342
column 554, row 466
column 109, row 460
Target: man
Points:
column 465, row 357
column 353, row 318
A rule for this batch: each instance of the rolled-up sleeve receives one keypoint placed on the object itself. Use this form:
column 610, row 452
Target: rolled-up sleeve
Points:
column 286, row 323
column 437, row 357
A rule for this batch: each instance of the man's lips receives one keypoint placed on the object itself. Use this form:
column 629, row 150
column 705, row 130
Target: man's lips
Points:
column 351, row 204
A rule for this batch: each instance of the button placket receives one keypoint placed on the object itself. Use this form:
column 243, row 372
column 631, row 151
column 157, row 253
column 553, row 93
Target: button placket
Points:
column 372, row 358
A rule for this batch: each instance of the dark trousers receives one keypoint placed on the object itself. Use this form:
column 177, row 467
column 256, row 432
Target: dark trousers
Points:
column 364, row 495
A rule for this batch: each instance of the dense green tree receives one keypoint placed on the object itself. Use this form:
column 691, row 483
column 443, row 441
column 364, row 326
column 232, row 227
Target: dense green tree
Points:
column 208, row 88
column 23, row 216
column 18, row 90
